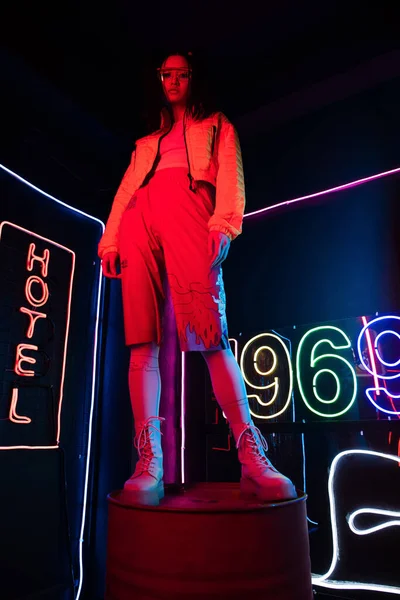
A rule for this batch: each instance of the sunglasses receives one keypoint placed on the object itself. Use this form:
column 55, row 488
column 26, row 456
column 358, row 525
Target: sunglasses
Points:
column 168, row 74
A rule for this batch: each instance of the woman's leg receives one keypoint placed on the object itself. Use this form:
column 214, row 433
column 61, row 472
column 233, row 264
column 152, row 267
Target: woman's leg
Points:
column 144, row 381
column 146, row 485
column 259, row 478
column 229, row 387
column 142, row 274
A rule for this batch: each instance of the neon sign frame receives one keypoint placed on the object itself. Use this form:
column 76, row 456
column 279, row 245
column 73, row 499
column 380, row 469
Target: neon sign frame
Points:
column 23, row 358
column 94, row 369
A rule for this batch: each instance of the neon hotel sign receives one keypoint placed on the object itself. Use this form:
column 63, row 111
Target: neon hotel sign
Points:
column 37, row 305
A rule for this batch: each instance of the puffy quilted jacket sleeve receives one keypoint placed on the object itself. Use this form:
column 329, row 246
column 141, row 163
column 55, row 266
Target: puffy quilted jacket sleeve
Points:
column 230, row 189
column 109, row 240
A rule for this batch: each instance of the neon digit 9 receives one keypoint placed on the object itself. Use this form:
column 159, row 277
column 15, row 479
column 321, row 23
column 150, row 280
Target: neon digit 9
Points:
column 374, row 348
column 277, row 391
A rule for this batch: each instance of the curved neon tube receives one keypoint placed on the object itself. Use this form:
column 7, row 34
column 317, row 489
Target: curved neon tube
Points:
column 391, row 332
column 375, row 528
column 323, row 580
column 369, row 393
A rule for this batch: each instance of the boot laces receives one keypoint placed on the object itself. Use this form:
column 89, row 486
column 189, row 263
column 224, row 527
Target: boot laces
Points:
column 143, row 445
column 256, row 445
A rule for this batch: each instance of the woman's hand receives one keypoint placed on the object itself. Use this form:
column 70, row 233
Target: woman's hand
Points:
column 218, row 247
column 109, row 264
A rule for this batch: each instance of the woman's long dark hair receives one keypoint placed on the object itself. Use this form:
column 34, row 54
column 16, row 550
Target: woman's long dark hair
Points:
column 200, row 104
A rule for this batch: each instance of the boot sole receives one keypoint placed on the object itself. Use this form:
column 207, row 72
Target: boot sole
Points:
column 251, row 493
column 145, row 497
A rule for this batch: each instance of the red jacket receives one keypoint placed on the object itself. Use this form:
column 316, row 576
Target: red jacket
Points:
column 214, row 155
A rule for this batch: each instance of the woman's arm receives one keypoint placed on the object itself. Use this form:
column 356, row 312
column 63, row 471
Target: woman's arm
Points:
column 109, row 240
column 230, row 189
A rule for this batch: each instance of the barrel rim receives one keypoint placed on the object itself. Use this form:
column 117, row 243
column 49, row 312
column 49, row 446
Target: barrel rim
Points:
column 113, row 499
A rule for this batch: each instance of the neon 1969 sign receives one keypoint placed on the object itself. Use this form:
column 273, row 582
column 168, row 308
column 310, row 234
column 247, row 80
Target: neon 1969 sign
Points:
column 324, row 368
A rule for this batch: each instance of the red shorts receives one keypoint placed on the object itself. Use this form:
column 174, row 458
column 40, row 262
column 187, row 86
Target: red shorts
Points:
column 164, row 233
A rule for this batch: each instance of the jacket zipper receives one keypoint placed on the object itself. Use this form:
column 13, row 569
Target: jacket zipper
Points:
column 213, row 140
column 158, row 148
column 187, row 156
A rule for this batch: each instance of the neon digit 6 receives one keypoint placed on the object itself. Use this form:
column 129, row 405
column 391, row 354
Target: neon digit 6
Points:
column 342, row 400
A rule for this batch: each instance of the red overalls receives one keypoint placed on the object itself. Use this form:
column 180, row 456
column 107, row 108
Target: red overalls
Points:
column 164, row 232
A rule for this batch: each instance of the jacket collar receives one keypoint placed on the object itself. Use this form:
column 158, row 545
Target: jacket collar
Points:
column 166, row 119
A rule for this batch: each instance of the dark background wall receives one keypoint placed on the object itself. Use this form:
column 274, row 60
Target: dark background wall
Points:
column 310, row 88
column 332, row 257
column 314, row 91
column 340, row 142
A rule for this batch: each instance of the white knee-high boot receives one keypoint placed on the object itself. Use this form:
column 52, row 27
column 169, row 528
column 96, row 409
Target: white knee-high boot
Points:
column 146, row 484
column 260, row 480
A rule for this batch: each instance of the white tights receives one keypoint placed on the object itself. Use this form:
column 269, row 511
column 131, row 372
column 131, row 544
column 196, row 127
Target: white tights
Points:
column 226, row 379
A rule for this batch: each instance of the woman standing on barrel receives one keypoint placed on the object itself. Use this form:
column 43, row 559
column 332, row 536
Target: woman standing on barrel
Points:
column 176, row 212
